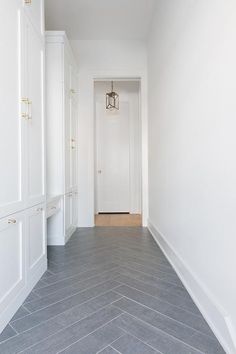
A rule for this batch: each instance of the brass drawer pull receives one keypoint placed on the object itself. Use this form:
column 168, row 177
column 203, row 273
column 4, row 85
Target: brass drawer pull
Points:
column 11, row 221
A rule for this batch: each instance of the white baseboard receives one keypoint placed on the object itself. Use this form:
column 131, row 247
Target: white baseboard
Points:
column 16, row 303
column 214, row 314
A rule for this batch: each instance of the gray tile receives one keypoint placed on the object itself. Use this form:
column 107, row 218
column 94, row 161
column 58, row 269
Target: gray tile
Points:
column 59, row 284
column 65, row 338
column 151, row 280
column 206, row 344
column 32, row 296
column 156, row 319
column 68, row 302
column 174, row 312
column 131, row 345
column 22, row 312
column 108, row 350
column 7, row 333
column 48, row 328
column 45, row 314
column 154, row 337
column 74, row 271
column 95, row 341
column 166, row 296
column 68, row 291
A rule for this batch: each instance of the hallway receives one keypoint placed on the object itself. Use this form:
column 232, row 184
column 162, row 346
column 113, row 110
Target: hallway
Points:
column 109, row 291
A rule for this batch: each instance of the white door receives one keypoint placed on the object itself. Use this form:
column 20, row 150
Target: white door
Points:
column 12, row 255
column 67, row 123
column 35, row 92
column 73, row 143
column 36, row 247
column 113, row 176
column 12, row 126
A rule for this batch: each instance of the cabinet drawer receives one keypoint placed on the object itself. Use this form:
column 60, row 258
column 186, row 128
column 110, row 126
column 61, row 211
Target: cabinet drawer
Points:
column 53, row 208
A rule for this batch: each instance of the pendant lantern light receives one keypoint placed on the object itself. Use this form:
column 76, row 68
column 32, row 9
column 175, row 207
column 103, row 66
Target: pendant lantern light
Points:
column 112, row 99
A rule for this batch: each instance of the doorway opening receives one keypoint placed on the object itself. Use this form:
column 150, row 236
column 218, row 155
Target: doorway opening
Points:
column 118, row 162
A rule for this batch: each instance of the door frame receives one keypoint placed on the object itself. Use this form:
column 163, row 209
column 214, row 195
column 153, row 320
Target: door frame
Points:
column 141, row 77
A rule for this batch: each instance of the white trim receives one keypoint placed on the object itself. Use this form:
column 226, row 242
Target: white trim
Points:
column 212, row 311
column 121, row 75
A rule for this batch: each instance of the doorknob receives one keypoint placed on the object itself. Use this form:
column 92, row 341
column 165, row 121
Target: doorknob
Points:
column 99, row 171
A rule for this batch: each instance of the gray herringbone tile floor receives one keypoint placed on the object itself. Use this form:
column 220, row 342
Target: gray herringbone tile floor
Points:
column 109, row 290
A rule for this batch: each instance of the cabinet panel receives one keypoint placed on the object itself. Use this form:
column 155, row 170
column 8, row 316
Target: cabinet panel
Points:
column 67, row 123
column 12, row 126
column 73, row 144
column 75, row 209
column 12, row 255
column 36, row 223
column 68, row 212
column 34, row 9
column 35, row 129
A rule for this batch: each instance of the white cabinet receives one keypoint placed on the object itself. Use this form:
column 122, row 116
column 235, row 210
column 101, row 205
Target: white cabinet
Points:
column 13, row 258
column 62, row 116
column 34, row 106
column 12, row 130
column 34, row 10
column 36, row 240
column 22, row 155
column 75, row 208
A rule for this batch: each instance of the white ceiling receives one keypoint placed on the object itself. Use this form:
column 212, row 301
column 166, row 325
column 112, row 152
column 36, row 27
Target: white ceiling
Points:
column 100, row 19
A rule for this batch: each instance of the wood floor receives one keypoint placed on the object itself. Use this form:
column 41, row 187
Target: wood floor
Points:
column 124, row 220
column 110, row 290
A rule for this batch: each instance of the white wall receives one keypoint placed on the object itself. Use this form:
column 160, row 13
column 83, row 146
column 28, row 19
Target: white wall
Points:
column 100, row 59
column 192, row 150
column 129, row 93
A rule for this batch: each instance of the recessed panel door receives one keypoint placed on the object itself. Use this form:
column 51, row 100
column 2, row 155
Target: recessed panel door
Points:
column 36, row 238
column 113, row 167
column 35, row 127
column 12, row 255
column 12, row 125
column 67, row 123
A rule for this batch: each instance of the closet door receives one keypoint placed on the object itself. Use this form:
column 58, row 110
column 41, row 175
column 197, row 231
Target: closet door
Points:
column 67, row 122
column 12, row 255
column 12, row 129
column 35, row 126
column 73, row 144
column 34, row 9
column 36, row 240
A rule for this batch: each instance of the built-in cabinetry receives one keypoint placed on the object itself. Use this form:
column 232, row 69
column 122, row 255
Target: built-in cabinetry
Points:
column 22, row 156
column 62, row 115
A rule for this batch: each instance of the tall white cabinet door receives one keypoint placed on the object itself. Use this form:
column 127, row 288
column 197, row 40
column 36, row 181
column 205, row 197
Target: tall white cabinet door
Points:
column 36, row 240
column 35, row 130
column 12, row 255
column 67, row 123
column 12, row 125
column 73, row 144
column 34, row 9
